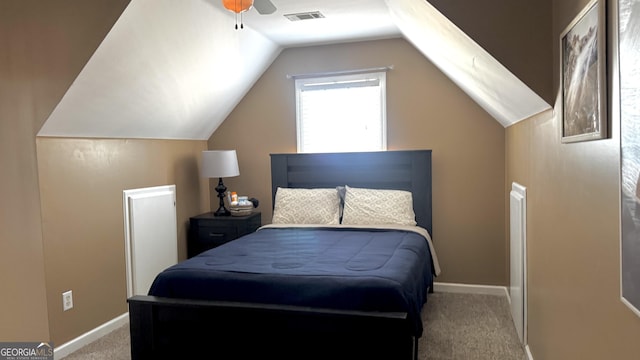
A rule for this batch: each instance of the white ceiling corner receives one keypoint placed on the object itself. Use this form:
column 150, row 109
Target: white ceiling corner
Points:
column 343, row 21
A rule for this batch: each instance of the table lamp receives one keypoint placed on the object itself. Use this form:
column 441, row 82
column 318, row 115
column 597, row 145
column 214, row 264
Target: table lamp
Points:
column 219, row 164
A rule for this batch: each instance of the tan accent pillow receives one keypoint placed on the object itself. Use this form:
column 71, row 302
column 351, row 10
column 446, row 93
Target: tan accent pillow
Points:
column 378, row 207
column 306, row 206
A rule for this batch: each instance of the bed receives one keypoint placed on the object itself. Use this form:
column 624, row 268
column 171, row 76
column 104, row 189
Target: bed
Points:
column 297, row 289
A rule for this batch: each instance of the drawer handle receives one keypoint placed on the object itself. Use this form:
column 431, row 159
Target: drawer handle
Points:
column 215, row 235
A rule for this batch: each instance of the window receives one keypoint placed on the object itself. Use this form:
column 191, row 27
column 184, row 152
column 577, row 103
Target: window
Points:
column 342, row 113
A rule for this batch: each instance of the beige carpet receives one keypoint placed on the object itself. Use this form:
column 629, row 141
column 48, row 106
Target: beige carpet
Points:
column 457, row 327
column 468, row 327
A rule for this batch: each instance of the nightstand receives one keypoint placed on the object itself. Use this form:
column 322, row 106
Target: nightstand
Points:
column 207, row 231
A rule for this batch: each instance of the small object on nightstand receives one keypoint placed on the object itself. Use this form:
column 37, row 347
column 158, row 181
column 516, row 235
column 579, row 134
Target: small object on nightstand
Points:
column 243, row 206
column 241, row 210
column 207, row 231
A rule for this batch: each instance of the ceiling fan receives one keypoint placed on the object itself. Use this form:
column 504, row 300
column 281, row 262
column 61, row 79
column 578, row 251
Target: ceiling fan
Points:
column 263, row 7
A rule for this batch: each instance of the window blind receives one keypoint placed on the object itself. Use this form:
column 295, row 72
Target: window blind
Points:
column 341, row 113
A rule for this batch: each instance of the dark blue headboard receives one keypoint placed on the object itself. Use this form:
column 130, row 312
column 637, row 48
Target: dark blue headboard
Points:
column 401, row 170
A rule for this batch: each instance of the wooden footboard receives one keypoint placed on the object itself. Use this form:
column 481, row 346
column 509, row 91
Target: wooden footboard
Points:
column 163, row 328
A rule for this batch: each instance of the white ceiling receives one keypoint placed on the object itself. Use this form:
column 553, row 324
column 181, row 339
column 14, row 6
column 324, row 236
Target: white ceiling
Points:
column 343, row 21
column 176, row 69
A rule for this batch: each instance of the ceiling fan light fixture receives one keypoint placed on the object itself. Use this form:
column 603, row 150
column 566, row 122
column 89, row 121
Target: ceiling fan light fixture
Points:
column 237, row 6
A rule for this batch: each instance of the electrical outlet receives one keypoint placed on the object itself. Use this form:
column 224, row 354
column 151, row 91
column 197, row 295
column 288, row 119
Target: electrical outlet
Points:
column 67, row 300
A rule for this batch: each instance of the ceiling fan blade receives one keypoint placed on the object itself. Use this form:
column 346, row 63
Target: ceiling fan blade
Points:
column 264, row 7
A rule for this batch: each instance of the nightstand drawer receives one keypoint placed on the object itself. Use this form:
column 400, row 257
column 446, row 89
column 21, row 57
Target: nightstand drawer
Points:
column 207, row 231
column 216, row 234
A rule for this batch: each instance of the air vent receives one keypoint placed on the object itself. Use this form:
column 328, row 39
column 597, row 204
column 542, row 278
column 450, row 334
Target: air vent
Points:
column 304, row 16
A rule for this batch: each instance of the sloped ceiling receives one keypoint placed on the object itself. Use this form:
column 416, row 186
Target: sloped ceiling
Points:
column 167, row 70
column 474, row 70
column 176, row 69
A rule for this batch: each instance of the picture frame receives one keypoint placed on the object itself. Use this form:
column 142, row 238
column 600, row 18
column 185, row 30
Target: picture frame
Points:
column 629, row 96
column 583, row 75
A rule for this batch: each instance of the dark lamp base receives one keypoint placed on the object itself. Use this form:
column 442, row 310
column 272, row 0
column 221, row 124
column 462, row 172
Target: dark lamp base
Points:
column 221, row 189
column 223, row 211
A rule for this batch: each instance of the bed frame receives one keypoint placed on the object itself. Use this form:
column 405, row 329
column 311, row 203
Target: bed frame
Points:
column 167, row 328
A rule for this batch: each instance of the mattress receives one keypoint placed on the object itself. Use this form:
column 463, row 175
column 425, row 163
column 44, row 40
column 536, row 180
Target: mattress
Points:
column 361, row 269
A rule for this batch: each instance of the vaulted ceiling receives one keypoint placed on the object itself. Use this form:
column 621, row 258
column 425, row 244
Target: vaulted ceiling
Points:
column 176, row 69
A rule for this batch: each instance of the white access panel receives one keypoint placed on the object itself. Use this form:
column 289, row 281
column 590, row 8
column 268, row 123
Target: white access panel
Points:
column 150, row 234
column 518, row 234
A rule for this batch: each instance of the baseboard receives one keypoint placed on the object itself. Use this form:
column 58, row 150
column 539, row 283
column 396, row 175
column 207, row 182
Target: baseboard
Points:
column 471, row 289
column 528, row 352
column 90, row 336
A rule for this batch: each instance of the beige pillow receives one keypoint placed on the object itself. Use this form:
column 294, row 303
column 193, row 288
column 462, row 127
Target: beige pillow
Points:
column 378, row 207
column 306, row 206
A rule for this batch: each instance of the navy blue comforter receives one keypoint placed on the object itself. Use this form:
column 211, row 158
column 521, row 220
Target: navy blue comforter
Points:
column 351, row 269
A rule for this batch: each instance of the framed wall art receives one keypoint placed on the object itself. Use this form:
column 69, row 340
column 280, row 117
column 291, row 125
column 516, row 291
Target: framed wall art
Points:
column 629, row 64
column 583, row 75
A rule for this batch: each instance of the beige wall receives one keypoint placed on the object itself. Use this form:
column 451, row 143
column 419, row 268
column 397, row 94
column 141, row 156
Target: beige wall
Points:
column 42, row 52
column 424, row 111
column 575, row 311
column 61, row 222
column 81, row 185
